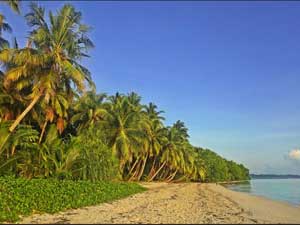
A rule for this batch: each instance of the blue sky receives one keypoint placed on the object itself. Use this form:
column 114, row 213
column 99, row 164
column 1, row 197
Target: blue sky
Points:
column 229, row 70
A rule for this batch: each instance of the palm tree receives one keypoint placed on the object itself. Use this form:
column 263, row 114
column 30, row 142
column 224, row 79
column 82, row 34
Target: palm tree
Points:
column 4, row 27
column 23, row 137
column 12, row 101
column 153, row 114
column 135, row 101
column 182, row 130
column 89, row 110
column 50, row 61
column 55, row 110
column 11, row 104
column 171, row 156
column 122, row 128
column 155, row 135
column 197, row 168
column 154, row 132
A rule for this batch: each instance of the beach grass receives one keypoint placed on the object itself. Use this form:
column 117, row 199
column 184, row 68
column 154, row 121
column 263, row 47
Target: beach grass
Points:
column 22, row 197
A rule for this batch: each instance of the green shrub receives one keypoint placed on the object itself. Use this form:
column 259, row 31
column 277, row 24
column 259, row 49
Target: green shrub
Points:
column 96, row 161
column 23, row 197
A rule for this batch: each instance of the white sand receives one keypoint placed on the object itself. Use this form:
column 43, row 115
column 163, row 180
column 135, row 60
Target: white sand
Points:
column 179, row 203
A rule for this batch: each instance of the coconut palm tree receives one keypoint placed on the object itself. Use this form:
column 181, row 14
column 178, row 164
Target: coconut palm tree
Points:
column 50, row 61
column 155, row 135
column 153, row 114
column 4, row 27
column 197, row 168
column 181, row 130
column 23, row 137
column 122, row 128
column 154, row 132
column 11, row 103
column 168, row 147
column 89, row 110
column 135, row 101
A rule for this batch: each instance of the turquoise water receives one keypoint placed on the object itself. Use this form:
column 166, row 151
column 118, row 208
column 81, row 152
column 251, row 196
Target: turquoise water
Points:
column 287, row 190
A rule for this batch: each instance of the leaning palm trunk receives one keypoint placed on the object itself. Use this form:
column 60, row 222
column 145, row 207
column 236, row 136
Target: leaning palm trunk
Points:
column 143, row 168
column 133, row 176
column 24, row 113
column 171, row 177
column 152, row 170
column 133, row 166
column 164, row 174
column 13, row 149
column 151, row 179
column 43, row 131
column 136, row 172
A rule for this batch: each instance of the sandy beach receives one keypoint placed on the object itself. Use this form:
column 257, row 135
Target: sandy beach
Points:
column 179, row 203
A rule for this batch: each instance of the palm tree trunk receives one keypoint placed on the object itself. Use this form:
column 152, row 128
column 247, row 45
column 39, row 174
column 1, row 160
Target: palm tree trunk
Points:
column 13, row 149
column 121, row 167
column 143, row 167
column 170, row 178
column 133, row 176
column 24, row 113
column 152, row 168
column 136, row 172
column 164, row 174
column 134, row 165
column 43, row 131
column 158, row 171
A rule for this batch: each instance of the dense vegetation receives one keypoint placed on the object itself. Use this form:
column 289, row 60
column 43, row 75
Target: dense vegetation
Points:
column 220, row 169
column 22, row 196
column 53, row 124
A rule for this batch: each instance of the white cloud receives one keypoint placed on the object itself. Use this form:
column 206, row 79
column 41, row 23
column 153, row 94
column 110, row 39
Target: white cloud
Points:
column 294, row 154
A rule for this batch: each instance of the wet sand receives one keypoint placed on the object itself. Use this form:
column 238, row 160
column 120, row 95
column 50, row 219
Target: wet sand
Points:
column 179, row 203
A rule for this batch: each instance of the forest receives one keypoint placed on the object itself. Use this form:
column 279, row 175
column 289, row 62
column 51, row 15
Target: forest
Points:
column 53, row 123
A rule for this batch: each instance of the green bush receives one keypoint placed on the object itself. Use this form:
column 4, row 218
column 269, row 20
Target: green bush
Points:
column 23, row 197
column 96, row 161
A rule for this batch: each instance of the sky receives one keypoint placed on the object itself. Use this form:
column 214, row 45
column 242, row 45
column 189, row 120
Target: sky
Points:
column 229, row 70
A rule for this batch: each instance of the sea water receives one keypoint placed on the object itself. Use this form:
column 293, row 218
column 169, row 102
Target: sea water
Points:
column 287, row 190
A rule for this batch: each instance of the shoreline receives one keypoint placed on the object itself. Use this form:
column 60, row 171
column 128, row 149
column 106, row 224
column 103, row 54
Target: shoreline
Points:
column 187, row 203
column 260, row 196
column 261, row 207
column 231, row 182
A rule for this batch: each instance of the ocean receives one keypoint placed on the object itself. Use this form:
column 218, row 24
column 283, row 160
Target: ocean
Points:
column 287, row 190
